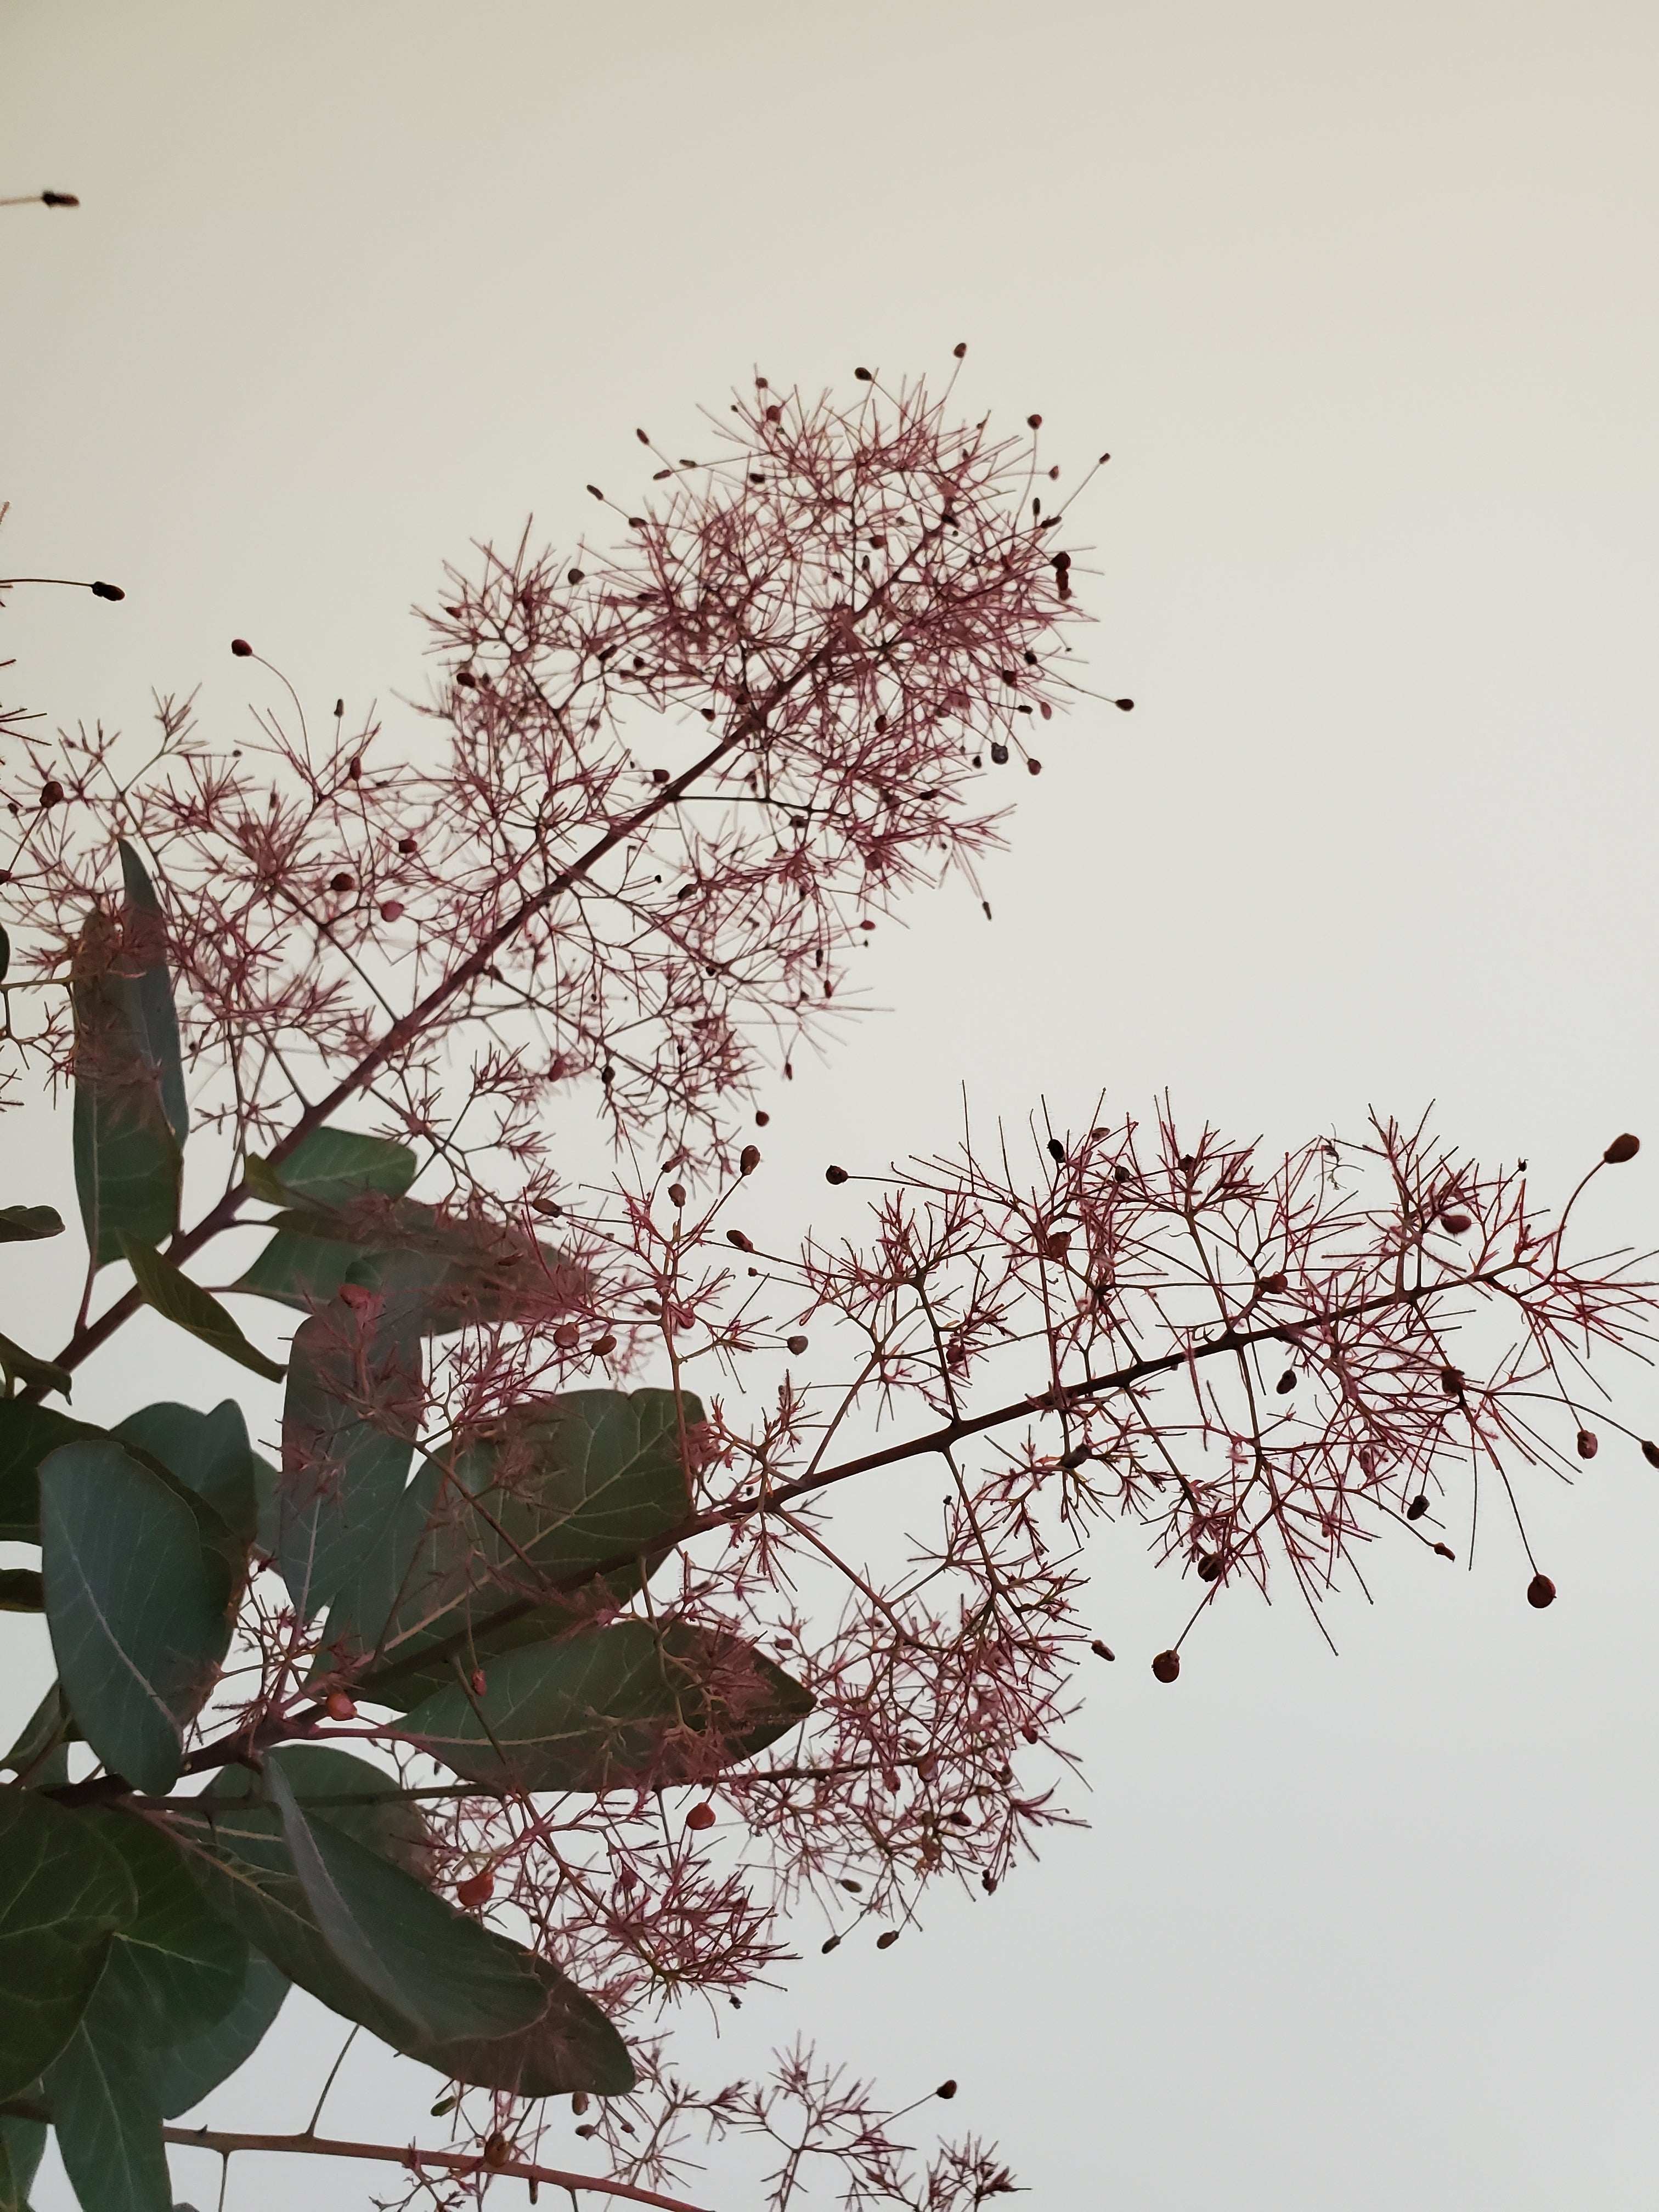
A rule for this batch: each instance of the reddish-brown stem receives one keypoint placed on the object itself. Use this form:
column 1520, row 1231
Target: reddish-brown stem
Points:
column 452, row 2162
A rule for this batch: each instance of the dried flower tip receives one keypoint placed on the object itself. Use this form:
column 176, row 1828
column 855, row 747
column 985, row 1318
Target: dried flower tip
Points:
column 795, row 1344
column 1589, row 1443
column 1167, row 1666
column 59, row 199
column 834, row 1944
column 339, row 1707
column 736, row 1236
column 1540, row 1592
column 1444, row 1551
column 392, row 910
column 241, row 648
column 834, row 1175
column 1034, row 421
column 887, row 1939
column 960, row 352
column 701, row 1816
column 1102, row 1650
column 496, row 2150
column 107, row 591
column 1456, row 1224
column 864, row 376
column 477, row 1889
column 677, row 1194
column 1651, row 1453
column 749, row 1159
column 479, row 1680
column 1418, row 1508
column 1620, row 1149
column 51, row 792
column 342, row 883
column 603, row 1347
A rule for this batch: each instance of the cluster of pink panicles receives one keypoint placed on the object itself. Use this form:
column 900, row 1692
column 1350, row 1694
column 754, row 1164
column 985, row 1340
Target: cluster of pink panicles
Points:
column 1265, row 1361
column 674, row 786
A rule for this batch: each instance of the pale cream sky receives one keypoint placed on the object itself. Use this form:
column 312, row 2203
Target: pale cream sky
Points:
column 1362, row 301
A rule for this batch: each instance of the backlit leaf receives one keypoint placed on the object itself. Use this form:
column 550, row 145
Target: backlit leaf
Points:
column 139, row 1605
column 21, row 1366
column 360, row 1799
column 171, row 1291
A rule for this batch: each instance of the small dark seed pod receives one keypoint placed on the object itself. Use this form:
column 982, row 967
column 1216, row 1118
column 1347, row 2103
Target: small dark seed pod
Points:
column 1056, row 1150
column 1651, row 1453
column 864, row 376
column 834, row 1944
column 947, row 2090
column 1622, row 1149
column 1124, row 706
column 701, row 1816
column 496, row 2150
column 1034, row 421
column 51, row 792
column 1167, row 1666
column 241, row 648
column 466, row 679
column 1102, row 1650
column 342, row 883
column 1273, row 1286
column 795, row 1344
column 603, row 1347
column 960, row 352
column 887, row 1939
column 1540, row 1592
column 1444, row 1551
column 834, row 1175
column 1209, row 1568
column 107, row 591
column 677, row 1194
column 749, row 1159
column 1589, row 1443
column 1418, row 1508
column 1286, row 1381
column 736, row 1236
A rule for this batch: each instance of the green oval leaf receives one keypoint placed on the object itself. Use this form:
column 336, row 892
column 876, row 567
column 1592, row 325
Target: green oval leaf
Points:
column 109, row 2134
column 21, row 1224
column 21, row 1366
column 62, row 1894
column 28, row 1433
column 354, row 1403
column 361, row 1799
column 559, row 1487
column 209, row 1452
column 139, row 1605
column 171, row 1293
column 191, row 2068
column 635, row 1705
column 241, row 1855
column 128, row 1163
column 151, row 1012
column 22, row 2142
column 330, row 1168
